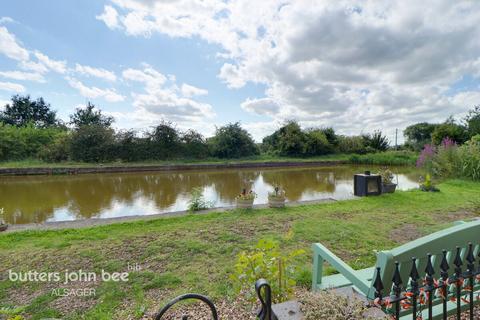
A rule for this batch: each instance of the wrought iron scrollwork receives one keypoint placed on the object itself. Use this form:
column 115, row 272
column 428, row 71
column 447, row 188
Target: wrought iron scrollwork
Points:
column 266, row 312
column 187, row 296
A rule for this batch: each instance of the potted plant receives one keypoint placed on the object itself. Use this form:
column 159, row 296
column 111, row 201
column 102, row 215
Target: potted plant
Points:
column 387, row 181
column 3, row 224
column 245, row 199
column 276, row 199
column 427, row 185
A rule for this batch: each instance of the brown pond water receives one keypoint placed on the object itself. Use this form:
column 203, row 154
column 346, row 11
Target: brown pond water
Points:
column 35, row 199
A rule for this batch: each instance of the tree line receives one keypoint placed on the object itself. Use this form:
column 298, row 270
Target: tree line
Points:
column 30, row 129
column 420, row 134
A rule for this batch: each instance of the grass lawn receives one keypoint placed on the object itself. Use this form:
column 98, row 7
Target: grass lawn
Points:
column 197, row 252
column 387, row 158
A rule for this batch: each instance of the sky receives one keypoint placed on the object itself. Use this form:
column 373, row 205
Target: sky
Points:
column 356, row 66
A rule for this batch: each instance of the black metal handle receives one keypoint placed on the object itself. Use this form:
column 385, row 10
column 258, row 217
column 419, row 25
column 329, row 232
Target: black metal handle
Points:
column 186, row 297
column 266, row 312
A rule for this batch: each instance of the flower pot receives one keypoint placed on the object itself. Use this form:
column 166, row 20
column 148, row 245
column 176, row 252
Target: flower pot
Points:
column 389, row 188
column 245, row 203
column 3, row 227
column 276, row 202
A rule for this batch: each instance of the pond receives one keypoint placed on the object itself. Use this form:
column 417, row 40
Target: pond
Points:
column 36, row 199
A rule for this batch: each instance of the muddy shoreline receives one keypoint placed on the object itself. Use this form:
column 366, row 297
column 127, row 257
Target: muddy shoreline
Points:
column 173, row 167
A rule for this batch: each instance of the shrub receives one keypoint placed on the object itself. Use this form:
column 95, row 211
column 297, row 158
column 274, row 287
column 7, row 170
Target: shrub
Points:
column 194, row 145
column 317, row 143
column 452, row 161
column 419, row 134
column 130, row 147
column 58, row 150
column 92, row 143
column 449, row 129
column 352, row 144
column 375, row 141
column 231, row 141
column 197, row 201
column 391, row 158
column 165, row 141
column 268, row 262
column 25, row 142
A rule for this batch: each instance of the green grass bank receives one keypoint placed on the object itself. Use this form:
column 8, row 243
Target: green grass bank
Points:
column 197, row 253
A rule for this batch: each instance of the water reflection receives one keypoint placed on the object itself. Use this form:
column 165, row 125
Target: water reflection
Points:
column 56, row 198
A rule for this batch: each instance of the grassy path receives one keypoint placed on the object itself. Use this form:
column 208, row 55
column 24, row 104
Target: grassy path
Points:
column 198, row 252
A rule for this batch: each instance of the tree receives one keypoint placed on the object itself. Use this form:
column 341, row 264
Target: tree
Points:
column 165, row 140
column 23, row 110
column 331, row 136
column 92, row 143
column 194, row 144
column 88, row 116
column 317, row 143
column 289, row 140
column 473, row 121
column 231, row 141
column 376, row 141
column 449, row 129
column 419, row 134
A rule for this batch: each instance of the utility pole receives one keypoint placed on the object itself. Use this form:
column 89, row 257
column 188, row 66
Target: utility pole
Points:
column 396, row 139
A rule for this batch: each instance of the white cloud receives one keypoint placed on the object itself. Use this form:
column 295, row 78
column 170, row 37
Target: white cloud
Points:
column 356, row 65
column 109, row 95
column 150, row 77
column 264, row 106
column 10, row 86
column 6, row 20
column 33, row 66
column 109, row 17
column 20, row 75
column 54, row 65
column 190, row 91
column 10, row 47
column 162, row 99
column 95, row 72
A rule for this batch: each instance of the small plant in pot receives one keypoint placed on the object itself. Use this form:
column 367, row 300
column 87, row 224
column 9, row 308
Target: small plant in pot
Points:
column 387, row 181
column 3, row 224
column 276, row 199
column 245, row 199
column 427, row 184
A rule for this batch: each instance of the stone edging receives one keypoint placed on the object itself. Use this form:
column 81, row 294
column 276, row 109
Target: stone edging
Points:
column 173, row 167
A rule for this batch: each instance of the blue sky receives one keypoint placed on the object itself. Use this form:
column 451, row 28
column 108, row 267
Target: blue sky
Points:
column 206, row 63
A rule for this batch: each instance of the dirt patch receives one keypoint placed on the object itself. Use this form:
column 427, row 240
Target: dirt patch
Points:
column 225, row 310
column 405, row 233
column 460, row 215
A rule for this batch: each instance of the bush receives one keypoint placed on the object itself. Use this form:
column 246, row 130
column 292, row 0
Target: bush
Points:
column 165, row 141
column 58, row 150
column 452, row 161
column 25, row 142
column 375, row 142
column 391, row 158
column 266, row 261
column 194, row 145
column 456, row 132
column 317, row 143
column 352, row 144
column 197, row 201
column 231, row 141
column 92, row 143
column 129, row 147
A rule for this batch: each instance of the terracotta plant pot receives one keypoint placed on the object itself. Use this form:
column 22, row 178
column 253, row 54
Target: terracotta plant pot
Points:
column 245, row 203
column 3, row 227
column 389, row 188
column 276, row 202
